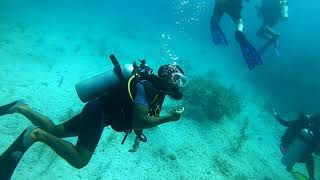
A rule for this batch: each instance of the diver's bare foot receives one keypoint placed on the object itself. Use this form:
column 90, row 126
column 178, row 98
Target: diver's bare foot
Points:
column 30, row 135
column 135, row 146
column 35, row 135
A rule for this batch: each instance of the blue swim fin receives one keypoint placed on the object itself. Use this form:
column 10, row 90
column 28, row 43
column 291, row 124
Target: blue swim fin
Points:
column 218, row 36
column 250, row 54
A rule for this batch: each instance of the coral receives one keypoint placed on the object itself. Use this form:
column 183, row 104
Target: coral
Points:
column 165, row 154
column 240, row 177
column 98, row 173
column 222, row 165
column 112, row 137
column 206, row 98
column 243, row 137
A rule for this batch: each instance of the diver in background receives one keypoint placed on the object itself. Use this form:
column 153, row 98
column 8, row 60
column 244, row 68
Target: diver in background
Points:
column 300, row 141
column 271, row 12
column 121, row 112
column 233, row 9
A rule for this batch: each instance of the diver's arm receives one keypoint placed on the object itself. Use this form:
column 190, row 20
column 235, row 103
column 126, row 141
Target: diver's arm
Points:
column 141, row 120
column 285, row 122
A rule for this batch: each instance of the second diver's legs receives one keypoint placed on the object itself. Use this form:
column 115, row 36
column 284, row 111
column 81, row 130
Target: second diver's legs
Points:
column 217, row 15
column 218, row 37
column 310, row 167
column 262, row 33
column 249, row 52
column 266, row 32
column 239, row 24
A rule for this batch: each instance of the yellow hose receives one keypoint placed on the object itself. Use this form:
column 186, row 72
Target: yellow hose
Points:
column 129, row 89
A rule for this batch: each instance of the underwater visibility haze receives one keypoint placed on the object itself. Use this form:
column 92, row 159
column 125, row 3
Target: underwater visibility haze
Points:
column 204, row 89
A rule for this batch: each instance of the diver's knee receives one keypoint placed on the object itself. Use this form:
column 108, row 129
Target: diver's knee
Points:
column 82, row 161
column 57, row 130
column 82, row 158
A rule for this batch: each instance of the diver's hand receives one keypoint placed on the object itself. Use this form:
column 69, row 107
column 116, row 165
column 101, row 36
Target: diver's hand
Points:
column 135, row 146
column 275, row 113
column 176, row 113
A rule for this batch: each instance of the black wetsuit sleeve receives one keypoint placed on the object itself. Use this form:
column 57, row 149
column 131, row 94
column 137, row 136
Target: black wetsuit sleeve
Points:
column 295, row 123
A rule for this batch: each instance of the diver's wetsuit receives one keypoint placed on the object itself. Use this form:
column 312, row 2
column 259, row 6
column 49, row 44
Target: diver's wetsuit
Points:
column 99, row 113
column 270, row 12
column 292, row 131
column 231, row 7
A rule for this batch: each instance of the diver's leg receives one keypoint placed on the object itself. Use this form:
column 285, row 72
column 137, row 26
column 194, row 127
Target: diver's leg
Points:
column 44, row 122
column 239, row 24
column 76, row 156
column 235, row 13
column 268, row 24
column 88, row 126
column 262, row 33
column 269, row 30
column 36, row 118
column 217, row 14
column 310, row 167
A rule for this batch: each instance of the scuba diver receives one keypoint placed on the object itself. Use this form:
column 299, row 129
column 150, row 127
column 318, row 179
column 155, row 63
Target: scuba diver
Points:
column 300, row 141
column 128, row 98
column 233, row 9
column 271, row 12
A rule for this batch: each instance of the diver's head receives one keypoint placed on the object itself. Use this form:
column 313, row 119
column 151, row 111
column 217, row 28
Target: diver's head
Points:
column 173, row 79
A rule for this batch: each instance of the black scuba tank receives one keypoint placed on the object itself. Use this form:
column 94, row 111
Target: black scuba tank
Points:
column 106, row 83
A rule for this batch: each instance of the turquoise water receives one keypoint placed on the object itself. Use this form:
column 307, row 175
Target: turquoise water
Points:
column 48, row 47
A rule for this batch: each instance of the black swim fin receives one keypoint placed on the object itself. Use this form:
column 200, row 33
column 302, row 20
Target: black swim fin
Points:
column 250, row 54
column 10, row 108
column 218, row 36
column 12, row 156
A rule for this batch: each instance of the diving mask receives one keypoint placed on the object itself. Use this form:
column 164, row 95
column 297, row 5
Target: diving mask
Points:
column 179, row 80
